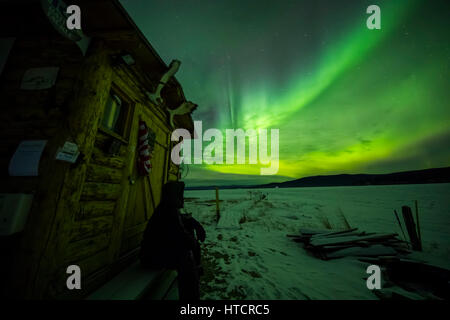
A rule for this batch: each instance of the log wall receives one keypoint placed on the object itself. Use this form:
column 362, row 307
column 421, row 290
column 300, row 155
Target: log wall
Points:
column 91, row 214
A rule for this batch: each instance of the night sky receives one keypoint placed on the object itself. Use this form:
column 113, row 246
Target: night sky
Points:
column 345, row 99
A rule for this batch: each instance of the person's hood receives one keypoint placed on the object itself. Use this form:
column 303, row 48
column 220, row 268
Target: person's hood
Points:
column 173, row 194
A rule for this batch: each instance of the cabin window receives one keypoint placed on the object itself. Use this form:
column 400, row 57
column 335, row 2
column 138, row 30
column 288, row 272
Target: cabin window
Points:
column 116, row 115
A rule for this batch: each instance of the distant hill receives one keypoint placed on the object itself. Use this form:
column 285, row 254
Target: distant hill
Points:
column 436, row 175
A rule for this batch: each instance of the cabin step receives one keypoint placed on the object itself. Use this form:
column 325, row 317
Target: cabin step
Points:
column 137, row 282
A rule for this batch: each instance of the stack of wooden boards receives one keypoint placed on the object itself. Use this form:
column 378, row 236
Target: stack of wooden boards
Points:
column 326, row 244
column 403, row 276
column 408, row 278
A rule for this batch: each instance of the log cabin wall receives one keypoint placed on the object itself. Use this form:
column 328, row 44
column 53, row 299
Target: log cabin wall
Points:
column 91, row 214
column 116, row 203
column 35, row 114
column 67, row 245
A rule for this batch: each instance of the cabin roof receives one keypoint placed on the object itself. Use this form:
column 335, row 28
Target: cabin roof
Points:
column 106, row 19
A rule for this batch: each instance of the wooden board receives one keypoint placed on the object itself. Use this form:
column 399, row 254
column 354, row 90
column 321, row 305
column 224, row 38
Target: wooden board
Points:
column 93, row 209
column 87, row 247
column 372, row 251
column 100, row 173
column 91, row 227
column 349, row 239
column 134, row 282
column 99, row 157
column 100, row 191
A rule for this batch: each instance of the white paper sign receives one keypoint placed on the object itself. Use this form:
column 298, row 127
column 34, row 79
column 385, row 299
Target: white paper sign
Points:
column 56, row 11
column 69, row 152
column 25, row 161
column 39, row 78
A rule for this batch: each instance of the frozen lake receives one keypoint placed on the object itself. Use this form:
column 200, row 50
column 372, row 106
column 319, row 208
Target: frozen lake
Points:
column 252, row 258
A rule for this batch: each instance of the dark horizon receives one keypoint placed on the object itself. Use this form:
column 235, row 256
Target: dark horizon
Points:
column 429, row 175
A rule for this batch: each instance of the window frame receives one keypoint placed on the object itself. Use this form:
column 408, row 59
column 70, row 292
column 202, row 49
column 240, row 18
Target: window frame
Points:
column 126, row 113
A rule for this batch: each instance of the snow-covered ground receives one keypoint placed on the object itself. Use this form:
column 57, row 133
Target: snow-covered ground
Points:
column 248, row 256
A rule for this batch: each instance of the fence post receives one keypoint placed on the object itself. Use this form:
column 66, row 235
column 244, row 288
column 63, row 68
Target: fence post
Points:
column 411, row 228
column 418, row 223
column 217, row 205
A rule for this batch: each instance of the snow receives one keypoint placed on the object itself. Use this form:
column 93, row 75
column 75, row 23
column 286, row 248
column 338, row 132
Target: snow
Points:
column 248, row 256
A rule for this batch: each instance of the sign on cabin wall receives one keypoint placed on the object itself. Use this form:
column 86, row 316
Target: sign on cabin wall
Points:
column 25, row 161
column 69, row 152
column 39, row 78
column 56, row 12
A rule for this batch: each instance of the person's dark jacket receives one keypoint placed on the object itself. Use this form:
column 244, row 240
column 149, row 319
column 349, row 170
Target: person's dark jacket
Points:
column 165, row 239
column 197, row 231
column 192, row 225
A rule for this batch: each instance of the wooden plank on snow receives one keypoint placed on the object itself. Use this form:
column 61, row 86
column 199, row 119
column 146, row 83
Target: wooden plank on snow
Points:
column 372, row 251
column 312, row 232
column 337, row 234
column 350, row 239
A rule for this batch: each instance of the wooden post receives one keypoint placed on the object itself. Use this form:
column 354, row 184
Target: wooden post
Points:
column 217, row 205
column 400, row 224
column 418, row 224
column 411, row 228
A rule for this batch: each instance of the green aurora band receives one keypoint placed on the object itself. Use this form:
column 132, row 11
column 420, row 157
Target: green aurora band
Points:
column 359, row 101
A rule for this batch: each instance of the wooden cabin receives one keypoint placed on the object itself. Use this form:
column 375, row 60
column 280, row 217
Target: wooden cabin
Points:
column 90, row 213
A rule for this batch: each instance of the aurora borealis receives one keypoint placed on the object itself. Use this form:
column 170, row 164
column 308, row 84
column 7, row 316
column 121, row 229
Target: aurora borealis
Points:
column 345, row 99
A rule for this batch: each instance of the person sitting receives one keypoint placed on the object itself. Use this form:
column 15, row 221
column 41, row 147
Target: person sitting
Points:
column 168, row 244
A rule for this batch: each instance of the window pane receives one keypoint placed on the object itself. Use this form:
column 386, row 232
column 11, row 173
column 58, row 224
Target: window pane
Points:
column 111, row 114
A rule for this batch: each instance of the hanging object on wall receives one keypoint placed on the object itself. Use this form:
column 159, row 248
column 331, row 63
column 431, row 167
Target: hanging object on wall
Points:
column 146, row 145
column 56, row 12
column 39, row 78
column 155, row 97
column 68, row 153
column 25, row 161
column 184, row 108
